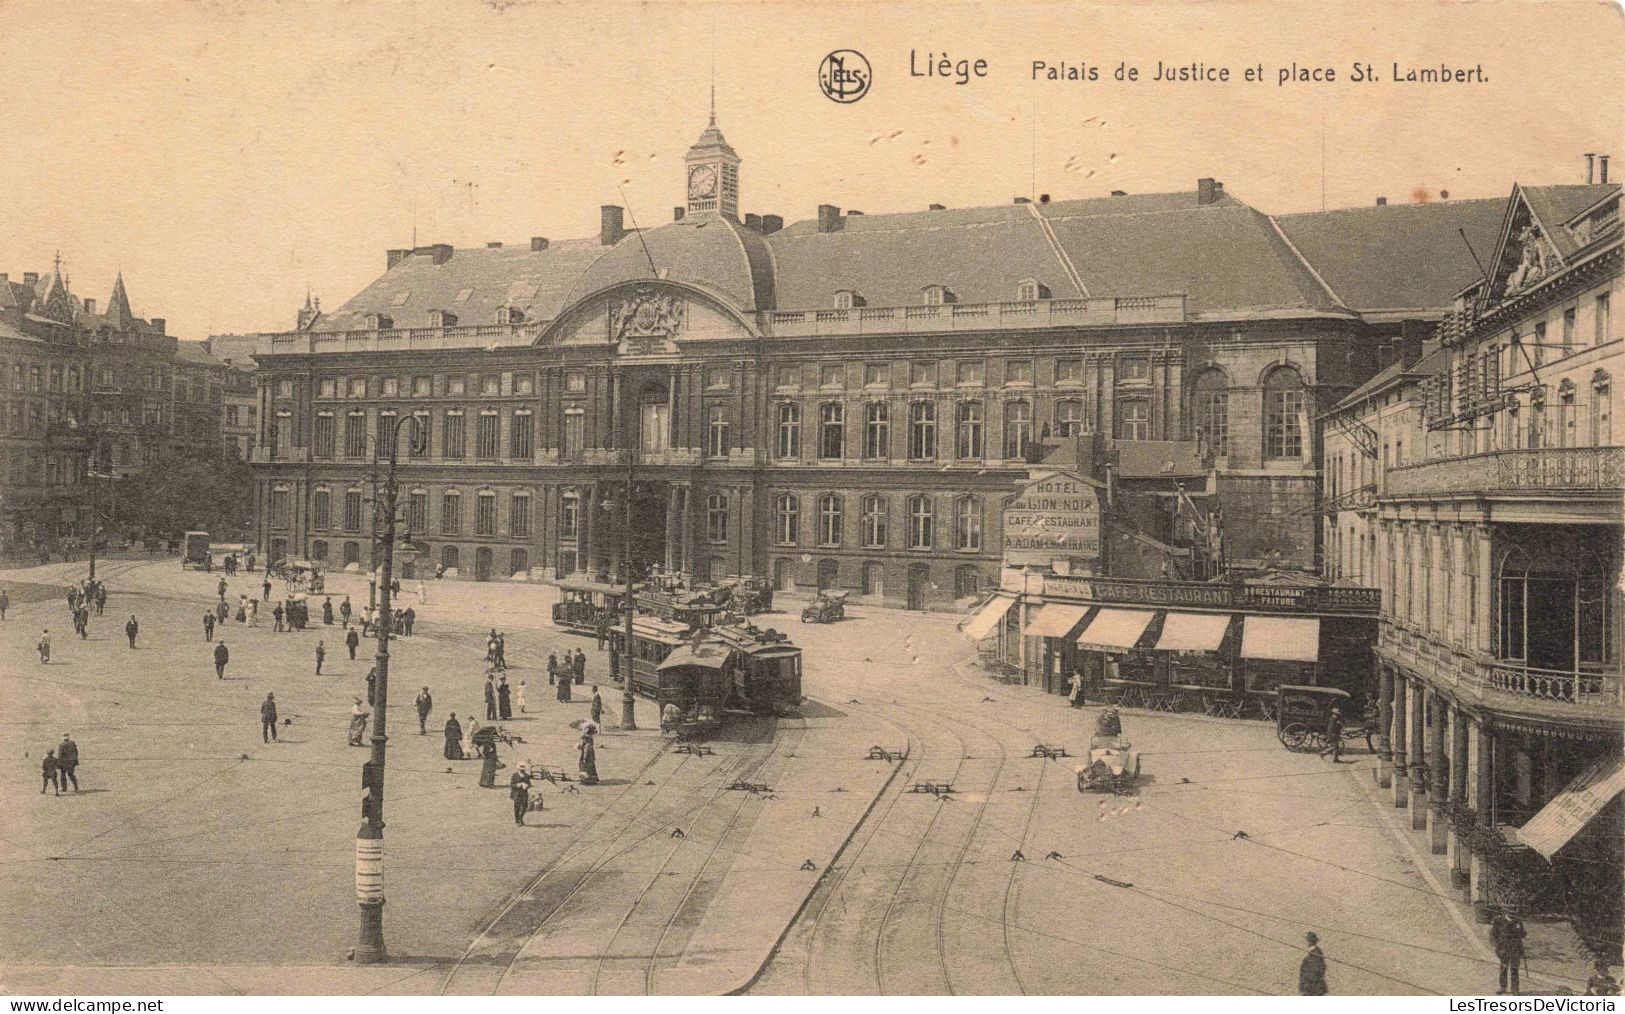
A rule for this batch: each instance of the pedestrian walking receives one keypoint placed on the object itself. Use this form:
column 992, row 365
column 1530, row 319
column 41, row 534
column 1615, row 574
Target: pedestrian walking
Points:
column 1075, row 686
column 504, row 700
column 564, row 684
column 587, row 761
column 581, row 667
column 82, row 622
column 488, row 763
column 519, row 792
column 423, row 702
column 372, row 687
column 1312, row 969
column 352, row 640
column 44, row 647
column 101, row 597
column 321, row 655
column 47, row 770
column 1506, row 934
column 221, row 657
column 268, row 718
column 552, row 668
column 358, row 723
column 208, row 625
column 220, row 589
column 276, row 615
column 327, row 611
column 221, row 611
column 409, row 617
column 491, row 647
column 242, row 609
column 520, row 694
column 423, row 595
column 597, row 707
column 454, row 738
column 254, row 612
column 344, row 612
column 502, row 651
column 5, row 603
column 603, row 633
column 1334, row 735
column 470, row 727
column 265, row 588
column 490, row 699
column 67, row 762
column 131, row 629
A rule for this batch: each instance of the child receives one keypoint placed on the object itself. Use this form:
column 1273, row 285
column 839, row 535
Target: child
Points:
column 48, row 772
column 521, row 697
column 44, row 647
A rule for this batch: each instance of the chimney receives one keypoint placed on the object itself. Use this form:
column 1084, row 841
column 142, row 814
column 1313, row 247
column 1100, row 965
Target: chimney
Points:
column 610, row 229
column 493, row 246
column 772, row 224
column 4, row 277
column 1385, row 354
column 441, row 252
column 753, row 222
column 538, row 244
column 936, row 207
column 90, row 304
column 678, row 212
column 1382, row 202
column 394, row 257
column 1208, row 190
column 1602, row 169
column 1410, row 349
column 158, row 324
column 1024, row 200
column 1119, row 193
column 829, row 218
column 30, row 277
column 1591, row 167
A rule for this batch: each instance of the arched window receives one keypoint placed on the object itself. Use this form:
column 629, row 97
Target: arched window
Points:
column 716, row 517
column 321, row 508
column 485, row 513
column 1018, row 428
column 922, row 431
column 787, row 517
column 830, row 517
column 1210, row 410
column 352, row 509
column 967, row 523
column 874, row 521
column 1284, row 420
column 519, row 515
column 451, row 513
column 417, row 511
column 921, row 522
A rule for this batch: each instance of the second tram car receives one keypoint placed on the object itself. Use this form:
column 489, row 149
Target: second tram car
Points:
column 765, row 669
column 584, row 604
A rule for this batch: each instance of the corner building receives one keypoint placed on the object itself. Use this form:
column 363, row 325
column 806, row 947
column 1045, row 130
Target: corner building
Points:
column 845, row 401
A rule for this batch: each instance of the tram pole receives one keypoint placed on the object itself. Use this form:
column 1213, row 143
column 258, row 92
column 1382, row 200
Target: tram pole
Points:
column 628, row 702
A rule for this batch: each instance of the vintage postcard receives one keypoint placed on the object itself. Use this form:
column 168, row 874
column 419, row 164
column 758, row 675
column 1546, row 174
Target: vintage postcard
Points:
column 805, row 499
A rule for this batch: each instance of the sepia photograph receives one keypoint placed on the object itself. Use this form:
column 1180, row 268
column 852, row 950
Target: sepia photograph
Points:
column 810, row 499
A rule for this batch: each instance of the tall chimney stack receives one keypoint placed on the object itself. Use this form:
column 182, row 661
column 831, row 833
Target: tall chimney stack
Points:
column 829, row 218
column 1591, row 167
column 1382, row 202
column 610, row 228
column 1208, row 190
column 1602, row 168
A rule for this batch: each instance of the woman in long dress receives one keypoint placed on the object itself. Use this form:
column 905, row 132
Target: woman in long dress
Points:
column 454, row 738
column 589, row 759
column 469, row 729
column 488, row 770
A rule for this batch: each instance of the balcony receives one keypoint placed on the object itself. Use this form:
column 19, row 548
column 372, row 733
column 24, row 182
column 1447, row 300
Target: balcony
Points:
column 1006, row 316
column 1526, row 472
column 1591, row 690
column 1207, row 595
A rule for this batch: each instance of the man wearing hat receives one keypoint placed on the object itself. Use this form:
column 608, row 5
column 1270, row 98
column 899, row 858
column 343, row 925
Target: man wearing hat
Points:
column 67, row 759
column 268, row 718
column 358, row 723
column 519, row 790
column 1312, row 971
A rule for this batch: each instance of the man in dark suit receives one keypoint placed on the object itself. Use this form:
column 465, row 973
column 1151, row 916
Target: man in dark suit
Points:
column 221, row 657
column 268, row 718
column 67, row 759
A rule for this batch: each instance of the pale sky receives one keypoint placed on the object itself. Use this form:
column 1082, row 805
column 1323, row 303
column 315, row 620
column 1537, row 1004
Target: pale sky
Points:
column 224, row 155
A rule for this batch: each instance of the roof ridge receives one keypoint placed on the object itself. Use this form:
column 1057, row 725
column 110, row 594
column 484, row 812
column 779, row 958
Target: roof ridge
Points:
column 1337, row 299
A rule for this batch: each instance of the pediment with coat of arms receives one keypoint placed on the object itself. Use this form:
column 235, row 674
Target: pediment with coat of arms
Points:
column 646, row 321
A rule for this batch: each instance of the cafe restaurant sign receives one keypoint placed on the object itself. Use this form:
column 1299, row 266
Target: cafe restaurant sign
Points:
column 1055, row 516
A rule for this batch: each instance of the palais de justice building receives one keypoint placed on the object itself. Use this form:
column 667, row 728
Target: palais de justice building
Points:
column 846, row 400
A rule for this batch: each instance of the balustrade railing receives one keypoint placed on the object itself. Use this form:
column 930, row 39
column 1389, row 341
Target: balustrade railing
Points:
column 1520, row 471
column 1587, row 689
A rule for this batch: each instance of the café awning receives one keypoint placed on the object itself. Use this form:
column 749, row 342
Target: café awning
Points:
column 1572, row 809
column 1284, row 638
column 986, row 618
column 1193, row 632
column 1056, row 620
column 1115, row 629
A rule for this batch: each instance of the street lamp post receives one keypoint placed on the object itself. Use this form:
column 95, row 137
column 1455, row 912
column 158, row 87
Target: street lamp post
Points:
column 628, row 705
column 369, row 843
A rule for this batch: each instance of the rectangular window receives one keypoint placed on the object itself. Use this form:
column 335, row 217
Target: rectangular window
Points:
column 485, row 514
column 519, row 510
column 524, row 383
column 1069, row 418
column 575, row 382
column 417, row 441
column 451, row 513
column 282, row 434
column 921, row 522
column 279, row 508
column 1134, row 420
column 575, row 433
column 1068, row 371
column 829, row 375
column 876, row 430
column 1538, row 353
column 491, row 384
column 321, row 509
column 522, row 443
column 787, row 519
column 385, row 431
column 1133, row 368
column 922, row 374
column 967, row 524
column 324, row 435
column 655, row 426
column 831, row 430
column 569, row 515
column 392, row 387
column 453, row 435
column 1213, row 422
column 716, row 517
column 968, row 431
column 489, row 436
column 717, row 378
column 786, row 377
column 876, row 374
column 417, row 511
column 968, row 373
column 1018, row 371
column 1283, row 424
column 352, row 511
column 1018, row 428
column 355, row 435
column 788, row 446
column 358, row 387
column 874, row 521
column 456, row 384
column 1602, row 323
column 422, row 387
column 922, row 431
column 1568, row 330
column 716, row 432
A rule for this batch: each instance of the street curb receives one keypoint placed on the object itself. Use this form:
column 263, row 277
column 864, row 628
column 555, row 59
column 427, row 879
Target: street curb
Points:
column 801, row 909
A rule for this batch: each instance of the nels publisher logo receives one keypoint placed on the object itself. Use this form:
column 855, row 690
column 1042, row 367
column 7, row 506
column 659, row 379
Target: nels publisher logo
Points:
column 844, row 76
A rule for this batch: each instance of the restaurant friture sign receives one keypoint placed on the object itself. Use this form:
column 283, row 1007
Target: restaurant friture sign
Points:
column 1055, row 516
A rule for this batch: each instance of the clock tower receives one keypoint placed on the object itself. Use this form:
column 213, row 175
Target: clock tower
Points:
column 711, row 174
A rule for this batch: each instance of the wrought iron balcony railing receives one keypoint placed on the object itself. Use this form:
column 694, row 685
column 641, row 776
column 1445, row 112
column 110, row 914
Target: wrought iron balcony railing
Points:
column 1551, row 469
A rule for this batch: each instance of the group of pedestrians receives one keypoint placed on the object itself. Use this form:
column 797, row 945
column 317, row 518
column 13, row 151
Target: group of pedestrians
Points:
column 59, row 766
column 500, row 697
column 563, row 673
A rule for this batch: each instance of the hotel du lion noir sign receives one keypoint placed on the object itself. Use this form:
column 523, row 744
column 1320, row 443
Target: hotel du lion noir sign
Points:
column 1055, row 516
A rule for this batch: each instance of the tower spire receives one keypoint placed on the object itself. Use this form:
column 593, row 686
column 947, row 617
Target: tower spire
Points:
column 713, row 70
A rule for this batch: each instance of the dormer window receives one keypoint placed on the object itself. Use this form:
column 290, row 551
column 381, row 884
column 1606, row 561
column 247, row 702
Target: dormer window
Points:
column 936, row 295
column 379, row 322
column 846, row 299
column 510, row 315
column 442, row 318
column 1030, row 289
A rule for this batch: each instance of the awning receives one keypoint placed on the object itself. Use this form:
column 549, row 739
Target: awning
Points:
column 1570, row 810
column 988, row 617
column 1056, row 620
column 1285, row 638
column 1115, row 629
column 1193, row 632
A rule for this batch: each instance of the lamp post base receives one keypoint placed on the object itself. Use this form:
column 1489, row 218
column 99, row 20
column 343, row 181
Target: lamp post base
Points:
column 370, row 951
column 628, row 713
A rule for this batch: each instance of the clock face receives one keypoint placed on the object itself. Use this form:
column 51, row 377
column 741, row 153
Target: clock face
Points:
column 702, row 182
